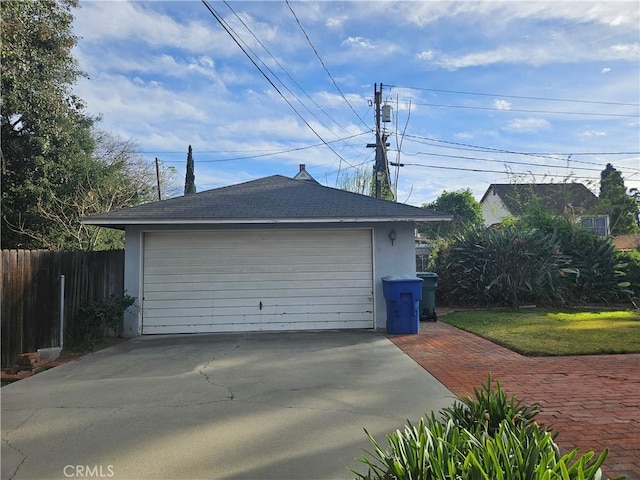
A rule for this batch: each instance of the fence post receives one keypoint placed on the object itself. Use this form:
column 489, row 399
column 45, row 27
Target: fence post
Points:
column 61, row 343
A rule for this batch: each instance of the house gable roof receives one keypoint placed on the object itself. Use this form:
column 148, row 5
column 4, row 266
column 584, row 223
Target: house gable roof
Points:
column 554, row 197
column 274, row 199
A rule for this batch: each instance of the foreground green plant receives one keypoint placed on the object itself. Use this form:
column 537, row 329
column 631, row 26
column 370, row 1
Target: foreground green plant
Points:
column 485, row 437
column 488, row 408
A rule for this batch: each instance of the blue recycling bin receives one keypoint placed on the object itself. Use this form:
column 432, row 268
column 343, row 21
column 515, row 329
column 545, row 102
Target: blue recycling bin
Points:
column 403, row 295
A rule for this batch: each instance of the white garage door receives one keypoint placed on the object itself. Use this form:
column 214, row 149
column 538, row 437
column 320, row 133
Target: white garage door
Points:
column 251, row 280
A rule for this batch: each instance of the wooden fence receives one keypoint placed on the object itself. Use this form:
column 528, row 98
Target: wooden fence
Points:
column 31, row 296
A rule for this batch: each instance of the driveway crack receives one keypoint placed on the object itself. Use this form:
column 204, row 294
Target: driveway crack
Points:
column 230, row 396
column 21, row 453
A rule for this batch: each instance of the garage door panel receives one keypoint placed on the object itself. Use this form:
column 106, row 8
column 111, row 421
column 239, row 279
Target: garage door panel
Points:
column 251, row 239
column 215, row 281
column 228, row 324
column 179, row 293
column 250, row 327
column 277, row 287
column 249, row 301
column 250, row 311
column 346, row 264
column 258, row 280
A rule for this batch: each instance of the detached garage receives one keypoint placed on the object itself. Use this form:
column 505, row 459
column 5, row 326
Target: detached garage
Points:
column 271, row 254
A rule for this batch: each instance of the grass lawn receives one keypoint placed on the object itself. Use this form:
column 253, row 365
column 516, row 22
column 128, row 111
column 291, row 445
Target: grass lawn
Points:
column 544, row 332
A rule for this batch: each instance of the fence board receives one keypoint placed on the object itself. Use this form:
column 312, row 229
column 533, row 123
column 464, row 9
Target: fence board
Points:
column 30, row 279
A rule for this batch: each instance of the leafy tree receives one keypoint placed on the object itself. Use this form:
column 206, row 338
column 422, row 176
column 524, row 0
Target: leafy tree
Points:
column 622, row 208
column 56, row 167
column 190, row 178
column 466, row 211
column 114, row 176
column 44, row 130
column 357, row 181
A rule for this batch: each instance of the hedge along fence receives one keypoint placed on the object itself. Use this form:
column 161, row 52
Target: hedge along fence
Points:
column 31, row 294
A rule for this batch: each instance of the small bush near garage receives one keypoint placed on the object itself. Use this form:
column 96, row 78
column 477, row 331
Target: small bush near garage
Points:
column 98, row 319
column 467, row 443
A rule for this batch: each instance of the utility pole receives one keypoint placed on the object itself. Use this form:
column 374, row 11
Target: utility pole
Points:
column 381, row 145
column 158, row 179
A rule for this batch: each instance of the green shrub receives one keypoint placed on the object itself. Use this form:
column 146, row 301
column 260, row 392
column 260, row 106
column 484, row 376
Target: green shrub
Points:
column 435, row 450
column 466, row 445
column 551, row 263
column 501, row 267
column 488, row 408
column 632, row 261
column 97, row 318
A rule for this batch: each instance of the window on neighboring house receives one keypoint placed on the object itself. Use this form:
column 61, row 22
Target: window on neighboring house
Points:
column 596, row 225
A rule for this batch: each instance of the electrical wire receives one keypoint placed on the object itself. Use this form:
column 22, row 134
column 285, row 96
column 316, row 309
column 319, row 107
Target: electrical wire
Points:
column 278, row 152
column 323, row 64
column 285, row 72
column 228, row 30
column 542, row 154
column 476, row 148
column 521, row 110
column 478, row 170
column 512, row 162
column 517, row 96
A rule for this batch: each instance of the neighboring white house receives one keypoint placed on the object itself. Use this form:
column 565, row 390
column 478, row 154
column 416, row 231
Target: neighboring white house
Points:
column 270, row 254
column 570, row 200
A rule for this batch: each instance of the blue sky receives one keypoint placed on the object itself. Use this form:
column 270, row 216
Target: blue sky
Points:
column 480, row 89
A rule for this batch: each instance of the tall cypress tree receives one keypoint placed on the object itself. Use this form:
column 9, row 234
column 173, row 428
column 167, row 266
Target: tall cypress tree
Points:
column 190, row 178
column 614, row 200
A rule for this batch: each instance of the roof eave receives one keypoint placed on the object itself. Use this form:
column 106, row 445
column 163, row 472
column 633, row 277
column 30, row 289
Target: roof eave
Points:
column 119, row 223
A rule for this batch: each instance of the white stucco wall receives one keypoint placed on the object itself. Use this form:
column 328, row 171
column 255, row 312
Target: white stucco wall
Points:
column 388, row 259
column 493, row 209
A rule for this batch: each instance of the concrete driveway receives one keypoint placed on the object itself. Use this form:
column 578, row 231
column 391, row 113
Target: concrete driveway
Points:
column 223, row 406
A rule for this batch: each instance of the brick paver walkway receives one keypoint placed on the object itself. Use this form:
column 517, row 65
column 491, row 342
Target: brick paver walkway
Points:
column 591, row 401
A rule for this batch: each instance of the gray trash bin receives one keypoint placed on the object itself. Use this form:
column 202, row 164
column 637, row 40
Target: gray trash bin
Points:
column 428, row 302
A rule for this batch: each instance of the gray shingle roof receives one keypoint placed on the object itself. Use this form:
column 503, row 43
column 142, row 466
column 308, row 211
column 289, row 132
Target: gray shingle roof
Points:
column 274, row 199
column 555, row 197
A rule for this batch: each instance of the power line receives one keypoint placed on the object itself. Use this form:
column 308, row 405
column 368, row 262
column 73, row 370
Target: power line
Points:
column 478, row 170
column 278, row 152
column 522, row 110
column 502, row 161
column 524, row 153
column 228, row 30
column 518, row 96
column 323, row 64
column 260, row 155
column 285, row 72
column 476, row 148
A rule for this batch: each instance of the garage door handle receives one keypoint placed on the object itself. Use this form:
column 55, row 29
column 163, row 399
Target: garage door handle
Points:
column 260, row 305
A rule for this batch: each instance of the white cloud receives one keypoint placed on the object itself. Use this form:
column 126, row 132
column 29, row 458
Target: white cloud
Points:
column 359, row 42
column 606, row 70
column 624, row 51
column 501, row 104
column 541, row 54
column 527, row 125
column 611, row 14
column 206, row 61
column 335, row 22
column 426, row 55
column 592, row 133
